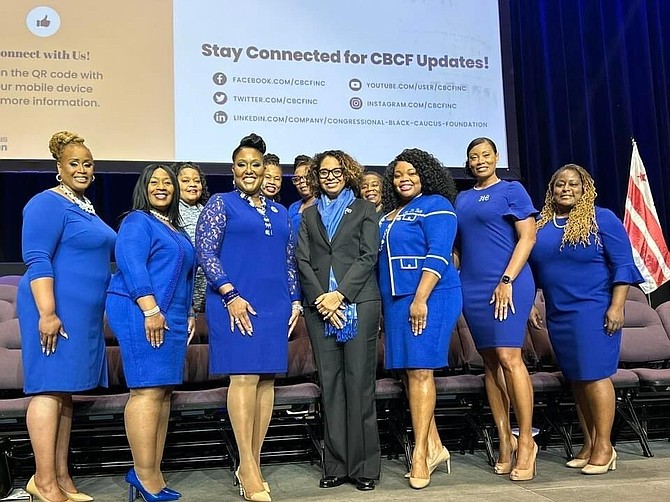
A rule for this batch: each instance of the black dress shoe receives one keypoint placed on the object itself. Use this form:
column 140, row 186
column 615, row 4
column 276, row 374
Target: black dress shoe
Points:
column 332, row 481
column 365, row 484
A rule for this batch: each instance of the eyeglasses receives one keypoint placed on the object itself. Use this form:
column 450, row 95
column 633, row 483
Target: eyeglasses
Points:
column 296, row 180
column 324, row 174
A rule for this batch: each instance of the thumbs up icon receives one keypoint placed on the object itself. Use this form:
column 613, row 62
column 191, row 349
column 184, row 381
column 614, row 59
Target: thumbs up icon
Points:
column 44, row 22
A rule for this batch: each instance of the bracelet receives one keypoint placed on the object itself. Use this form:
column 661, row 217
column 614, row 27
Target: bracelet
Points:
column 230, row 296
column 193, row 315
column 298, row 308
column 151, row 312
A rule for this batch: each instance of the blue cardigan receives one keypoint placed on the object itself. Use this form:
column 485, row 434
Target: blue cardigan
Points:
column 146, row 260
column 421, row 237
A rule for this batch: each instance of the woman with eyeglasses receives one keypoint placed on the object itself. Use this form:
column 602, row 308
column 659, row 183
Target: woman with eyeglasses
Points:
column 337, row 253
column 299, row 180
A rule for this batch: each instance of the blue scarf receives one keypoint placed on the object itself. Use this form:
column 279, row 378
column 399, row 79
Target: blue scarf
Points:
column 331, row 212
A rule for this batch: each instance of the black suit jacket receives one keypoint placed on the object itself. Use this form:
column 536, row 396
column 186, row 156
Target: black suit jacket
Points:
column 352, row 253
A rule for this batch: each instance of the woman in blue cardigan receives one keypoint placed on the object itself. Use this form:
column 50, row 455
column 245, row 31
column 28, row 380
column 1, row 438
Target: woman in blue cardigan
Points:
column 421, row 291
column 149, row 309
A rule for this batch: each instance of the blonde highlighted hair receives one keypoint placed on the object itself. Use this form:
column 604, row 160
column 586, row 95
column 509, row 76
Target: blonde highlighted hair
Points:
column 60, row 140
column 581, row 224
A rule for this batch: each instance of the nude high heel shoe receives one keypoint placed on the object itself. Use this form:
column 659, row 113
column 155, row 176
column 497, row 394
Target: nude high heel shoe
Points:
column 31, row 488
column 525, row 474
column 602, row 469
column 263, row 496
column 443, row 456
column 506, row 467
column 577, row 463
column 77, row 497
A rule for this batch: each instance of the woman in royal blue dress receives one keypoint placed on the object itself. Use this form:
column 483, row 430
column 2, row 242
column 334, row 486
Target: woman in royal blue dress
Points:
column 577, row 239
column 149, row 310
column 244, row 245
column 61, row 301
column 421, row 291
column 496, row 226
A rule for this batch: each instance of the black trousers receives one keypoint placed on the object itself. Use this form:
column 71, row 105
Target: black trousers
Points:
column 347, row 376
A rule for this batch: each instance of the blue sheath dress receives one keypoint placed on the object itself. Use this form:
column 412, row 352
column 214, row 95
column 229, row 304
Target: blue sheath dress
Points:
column 234, row 247
column 73, row 247
column 154, row 260
column 577, row 285
column 487, row 239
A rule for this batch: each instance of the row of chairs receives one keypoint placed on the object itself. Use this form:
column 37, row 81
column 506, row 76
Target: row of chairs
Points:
column 642, row 383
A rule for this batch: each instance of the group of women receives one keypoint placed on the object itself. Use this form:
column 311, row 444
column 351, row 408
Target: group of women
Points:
column 356, row 245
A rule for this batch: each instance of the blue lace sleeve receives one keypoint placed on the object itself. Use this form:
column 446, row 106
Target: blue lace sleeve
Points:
column 209, row 233
column 293, row 282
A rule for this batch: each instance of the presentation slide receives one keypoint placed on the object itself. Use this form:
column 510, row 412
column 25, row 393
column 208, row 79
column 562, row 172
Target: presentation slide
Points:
column 159, row 80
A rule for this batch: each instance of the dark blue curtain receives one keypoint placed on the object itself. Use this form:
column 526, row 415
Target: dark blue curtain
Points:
column 589, row 75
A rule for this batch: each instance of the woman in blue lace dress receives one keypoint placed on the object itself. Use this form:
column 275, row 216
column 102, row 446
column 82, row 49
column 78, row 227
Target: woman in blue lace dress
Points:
column 244, row 245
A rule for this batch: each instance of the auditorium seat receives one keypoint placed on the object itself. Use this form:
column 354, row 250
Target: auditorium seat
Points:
column 392, row 406
column 461, row 392
column 12, row 280
column 13, row 403
column 645, row 351
column 635, row 294
column 549, row 387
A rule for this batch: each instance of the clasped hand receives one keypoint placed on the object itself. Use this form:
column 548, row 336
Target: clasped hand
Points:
column 331, row 306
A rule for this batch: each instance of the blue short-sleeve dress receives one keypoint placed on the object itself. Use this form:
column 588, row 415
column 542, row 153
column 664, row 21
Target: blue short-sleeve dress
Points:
column 488, row 237
column 73, row 247
column 577, row 284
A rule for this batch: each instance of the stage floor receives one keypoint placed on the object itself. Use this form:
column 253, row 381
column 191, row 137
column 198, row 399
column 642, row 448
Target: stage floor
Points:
column 636, row 479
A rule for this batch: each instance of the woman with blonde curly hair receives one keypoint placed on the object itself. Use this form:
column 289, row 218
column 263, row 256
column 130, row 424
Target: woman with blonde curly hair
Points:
column 61, row 300
column 337, row 253
column 583, row 262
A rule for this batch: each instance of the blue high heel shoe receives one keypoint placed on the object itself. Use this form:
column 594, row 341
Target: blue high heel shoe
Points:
column 136, row 490
column 172, row 492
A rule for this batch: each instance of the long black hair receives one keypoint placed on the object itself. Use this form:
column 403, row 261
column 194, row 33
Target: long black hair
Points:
column 141, row 197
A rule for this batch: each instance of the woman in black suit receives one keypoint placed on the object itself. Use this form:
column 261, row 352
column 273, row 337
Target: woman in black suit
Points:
column 337, row 253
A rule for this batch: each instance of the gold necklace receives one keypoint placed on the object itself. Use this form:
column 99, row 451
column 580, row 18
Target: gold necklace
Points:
column 556, row 223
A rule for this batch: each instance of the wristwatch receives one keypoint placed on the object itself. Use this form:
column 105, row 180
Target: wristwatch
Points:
column 506, row 279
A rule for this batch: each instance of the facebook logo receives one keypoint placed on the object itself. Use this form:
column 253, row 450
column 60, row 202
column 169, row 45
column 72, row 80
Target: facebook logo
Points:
column 219, row 78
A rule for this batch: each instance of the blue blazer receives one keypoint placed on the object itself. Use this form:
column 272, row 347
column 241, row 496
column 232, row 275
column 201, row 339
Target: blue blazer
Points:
column 421, row 237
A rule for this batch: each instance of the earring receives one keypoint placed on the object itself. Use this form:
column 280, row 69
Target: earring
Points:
column 59, row 178
column 92, row 178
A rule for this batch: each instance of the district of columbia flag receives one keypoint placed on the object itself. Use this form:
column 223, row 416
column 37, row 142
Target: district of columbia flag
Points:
column 650, row 251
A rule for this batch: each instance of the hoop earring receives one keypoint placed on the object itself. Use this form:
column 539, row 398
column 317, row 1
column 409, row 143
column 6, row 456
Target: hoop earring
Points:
column 59, row 178
column 92, row 178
